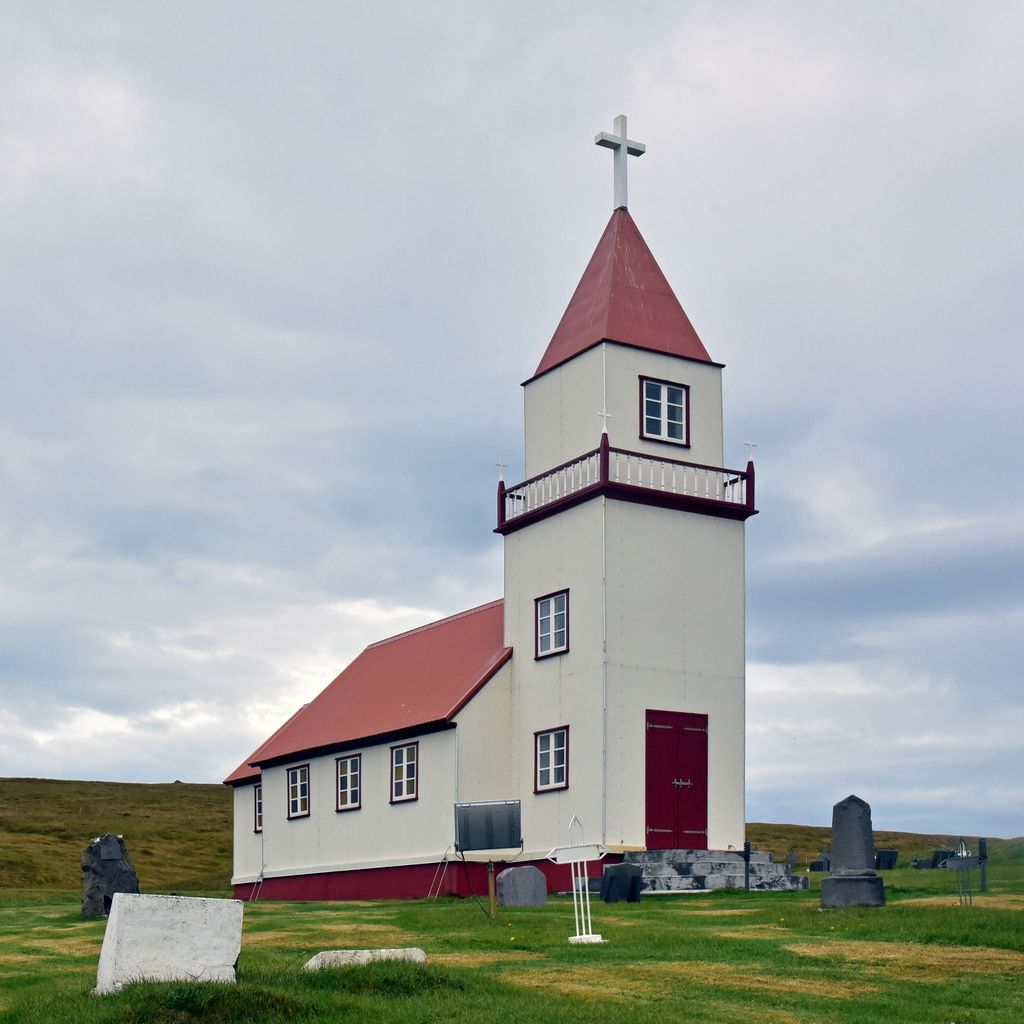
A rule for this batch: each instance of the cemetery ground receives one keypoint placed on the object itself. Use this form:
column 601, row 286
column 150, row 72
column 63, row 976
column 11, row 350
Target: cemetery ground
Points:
column 770, row 958
column 723, row 957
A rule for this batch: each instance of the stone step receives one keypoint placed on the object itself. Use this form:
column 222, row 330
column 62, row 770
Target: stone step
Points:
column 709, row 870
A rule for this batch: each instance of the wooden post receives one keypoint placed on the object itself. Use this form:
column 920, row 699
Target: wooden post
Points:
column 492, row 898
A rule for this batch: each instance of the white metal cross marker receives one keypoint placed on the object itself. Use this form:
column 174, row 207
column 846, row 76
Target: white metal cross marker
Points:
column 621, row 147
column 577, row 855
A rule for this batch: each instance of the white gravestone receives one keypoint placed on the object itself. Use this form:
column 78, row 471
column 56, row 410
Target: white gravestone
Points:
column 169, row 938
column 357, row 957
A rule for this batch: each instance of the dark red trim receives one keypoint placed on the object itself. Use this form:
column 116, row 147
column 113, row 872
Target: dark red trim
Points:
column 257, row 819
column 407, row 882
column 501, row 501
column 288, row 789
column 624, row 344
column 425, row 729
column 416, row 778
column 644, row 436
column 536, row 625
column 750, row 488
column 536, row 759
column 337, row 780
column 504, row 657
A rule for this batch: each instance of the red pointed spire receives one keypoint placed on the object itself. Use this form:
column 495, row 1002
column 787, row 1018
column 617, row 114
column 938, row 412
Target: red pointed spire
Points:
column 623, row 296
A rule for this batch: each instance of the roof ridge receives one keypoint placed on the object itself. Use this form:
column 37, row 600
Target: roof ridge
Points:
column 436, row 623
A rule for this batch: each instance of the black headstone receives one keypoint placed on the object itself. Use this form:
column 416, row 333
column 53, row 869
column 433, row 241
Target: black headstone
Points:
column 106, row 869
column 622, row 882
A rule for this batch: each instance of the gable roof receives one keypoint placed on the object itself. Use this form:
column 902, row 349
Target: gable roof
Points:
column 623, row 297
column 414, row 681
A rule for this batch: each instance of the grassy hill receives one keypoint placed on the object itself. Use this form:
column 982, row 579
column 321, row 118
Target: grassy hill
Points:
column 179, row 835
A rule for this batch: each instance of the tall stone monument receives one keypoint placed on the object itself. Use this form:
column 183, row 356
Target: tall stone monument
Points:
column 854, row 881
column 106, row 869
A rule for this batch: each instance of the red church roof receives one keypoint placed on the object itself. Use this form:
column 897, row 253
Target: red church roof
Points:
column 623, row 296
column 412, row 681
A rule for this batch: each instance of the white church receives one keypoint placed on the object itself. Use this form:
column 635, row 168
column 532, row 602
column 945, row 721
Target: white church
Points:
column 607, row 683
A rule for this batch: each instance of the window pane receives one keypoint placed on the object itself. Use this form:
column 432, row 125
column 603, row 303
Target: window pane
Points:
column 652, row 409
column 675, row 396
column 560, row 605
column 652, row 390
column 559, row 774
column 652, row 427
column 544, row 742
column 675, row 431
column 545, row 643
column 545, row 760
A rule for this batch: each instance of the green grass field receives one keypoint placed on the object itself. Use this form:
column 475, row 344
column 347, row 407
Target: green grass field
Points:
column 727, row 957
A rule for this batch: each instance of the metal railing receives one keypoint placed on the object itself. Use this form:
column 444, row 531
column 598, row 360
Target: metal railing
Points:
column 615, row 466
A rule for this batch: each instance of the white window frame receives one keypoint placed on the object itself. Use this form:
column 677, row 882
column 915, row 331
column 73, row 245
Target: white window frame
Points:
column 405, row 785
column 551, row 753
column 549, row 638
column 655, row 422
column 349, row 797
column 257, row 807
column 298, row 791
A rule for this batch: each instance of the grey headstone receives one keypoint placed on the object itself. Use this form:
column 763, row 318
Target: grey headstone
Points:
column 622, row 882
column 106, row 869
column 358, row 957
column 853, row 882
column 522, row 887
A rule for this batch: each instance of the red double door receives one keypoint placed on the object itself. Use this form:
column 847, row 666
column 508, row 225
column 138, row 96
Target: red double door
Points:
column 677, row 781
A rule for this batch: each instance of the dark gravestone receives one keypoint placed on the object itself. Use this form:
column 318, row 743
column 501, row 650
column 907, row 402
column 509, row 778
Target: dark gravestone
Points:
column 622, row 882
column 885, row 860
column 853, row 882
column 106, row 869
column 522, row 887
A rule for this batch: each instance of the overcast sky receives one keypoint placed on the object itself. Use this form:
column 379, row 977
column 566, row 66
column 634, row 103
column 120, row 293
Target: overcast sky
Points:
column 270, row 276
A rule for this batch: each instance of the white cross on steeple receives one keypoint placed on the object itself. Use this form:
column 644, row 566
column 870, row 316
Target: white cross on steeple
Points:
column 621, row 147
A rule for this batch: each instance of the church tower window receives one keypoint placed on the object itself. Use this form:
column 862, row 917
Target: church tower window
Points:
column 664, row 411
column 551, row 756
column 552, row 624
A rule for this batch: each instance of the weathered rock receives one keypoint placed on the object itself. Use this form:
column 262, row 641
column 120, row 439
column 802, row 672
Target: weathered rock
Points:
column 106, row 869
column 853, row 882
column 357, row 957
column 522, row 887
column 169, row 938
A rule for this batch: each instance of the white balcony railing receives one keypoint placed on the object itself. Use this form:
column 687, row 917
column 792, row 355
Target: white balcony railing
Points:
column 606, row 466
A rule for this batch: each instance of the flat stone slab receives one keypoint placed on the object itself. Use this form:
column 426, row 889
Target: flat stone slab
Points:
column 357, row 957
column 169, row 938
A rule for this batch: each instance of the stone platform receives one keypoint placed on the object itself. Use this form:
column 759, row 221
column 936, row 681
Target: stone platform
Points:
column 707, row 870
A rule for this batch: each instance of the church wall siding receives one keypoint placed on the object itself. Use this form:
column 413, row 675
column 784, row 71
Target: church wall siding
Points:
column 562, row 552
column 376, row 834
column 248, row 844
column 625, row 367
column 561, row 412
column 485, row 743
column 675, row 643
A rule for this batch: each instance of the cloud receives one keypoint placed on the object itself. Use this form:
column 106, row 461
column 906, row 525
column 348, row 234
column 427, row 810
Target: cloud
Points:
column 271, row 283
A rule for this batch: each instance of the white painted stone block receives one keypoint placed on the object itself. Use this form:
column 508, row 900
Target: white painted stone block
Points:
column 169, row 938
column 356, row 957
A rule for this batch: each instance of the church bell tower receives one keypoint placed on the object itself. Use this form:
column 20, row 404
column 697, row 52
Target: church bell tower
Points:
column 624, row 568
